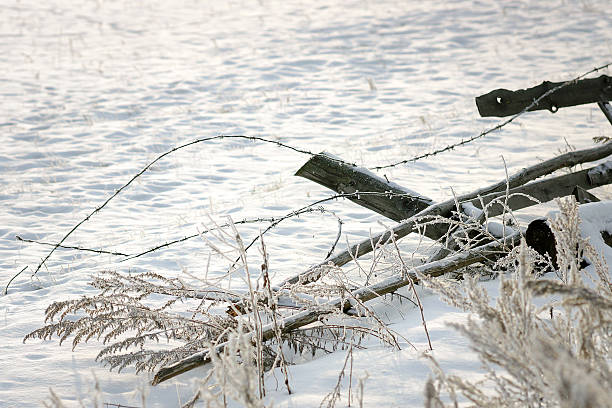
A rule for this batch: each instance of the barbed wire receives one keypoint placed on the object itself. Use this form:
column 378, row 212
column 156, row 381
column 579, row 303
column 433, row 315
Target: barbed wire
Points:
column 302, row 151
column 497, row 127
column 273, row 220
column 147, row 167
column 98, row 251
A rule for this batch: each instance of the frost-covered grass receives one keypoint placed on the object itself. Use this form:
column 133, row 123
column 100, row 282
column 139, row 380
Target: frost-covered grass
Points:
column 94, row 90
column 552, row 354
column 534, row 353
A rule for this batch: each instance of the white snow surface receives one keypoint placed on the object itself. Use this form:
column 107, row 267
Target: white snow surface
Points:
column 595, row 218
column 92, row 91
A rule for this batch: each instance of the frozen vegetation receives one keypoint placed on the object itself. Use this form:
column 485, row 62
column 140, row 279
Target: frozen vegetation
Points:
column 94, row 91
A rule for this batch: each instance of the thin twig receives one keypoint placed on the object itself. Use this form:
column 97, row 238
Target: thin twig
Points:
column 16, row 275
column 273, row 305
column 414, row 292
column 334, row 396
column 333, row 248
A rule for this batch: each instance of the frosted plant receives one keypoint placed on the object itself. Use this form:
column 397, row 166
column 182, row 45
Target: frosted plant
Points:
column 235, row 372
column 125, row 318
column 95, row 399
column 556, row 355
column 54, row 401
column 133, row 315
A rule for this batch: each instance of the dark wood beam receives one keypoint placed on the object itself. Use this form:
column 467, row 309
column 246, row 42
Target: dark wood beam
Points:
column 502, row 102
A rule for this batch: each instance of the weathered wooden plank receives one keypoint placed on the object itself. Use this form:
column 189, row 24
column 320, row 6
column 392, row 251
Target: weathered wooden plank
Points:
column 583, row 196
column 502, row 102
column 548, row 189
column 406, row 227
column 575, row 184
column 344, row 178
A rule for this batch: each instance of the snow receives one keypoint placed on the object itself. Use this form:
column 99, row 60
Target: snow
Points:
column 595, row 218
column 600, row 172
column 92, row 91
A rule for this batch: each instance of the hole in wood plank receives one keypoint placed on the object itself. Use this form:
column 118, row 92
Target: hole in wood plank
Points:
column 607, row 237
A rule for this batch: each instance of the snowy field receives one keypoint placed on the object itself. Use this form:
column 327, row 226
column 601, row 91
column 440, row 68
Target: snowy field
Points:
column 92, row 91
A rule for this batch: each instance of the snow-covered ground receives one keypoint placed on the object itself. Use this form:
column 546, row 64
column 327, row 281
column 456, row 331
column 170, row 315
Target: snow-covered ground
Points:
column 91, row 91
